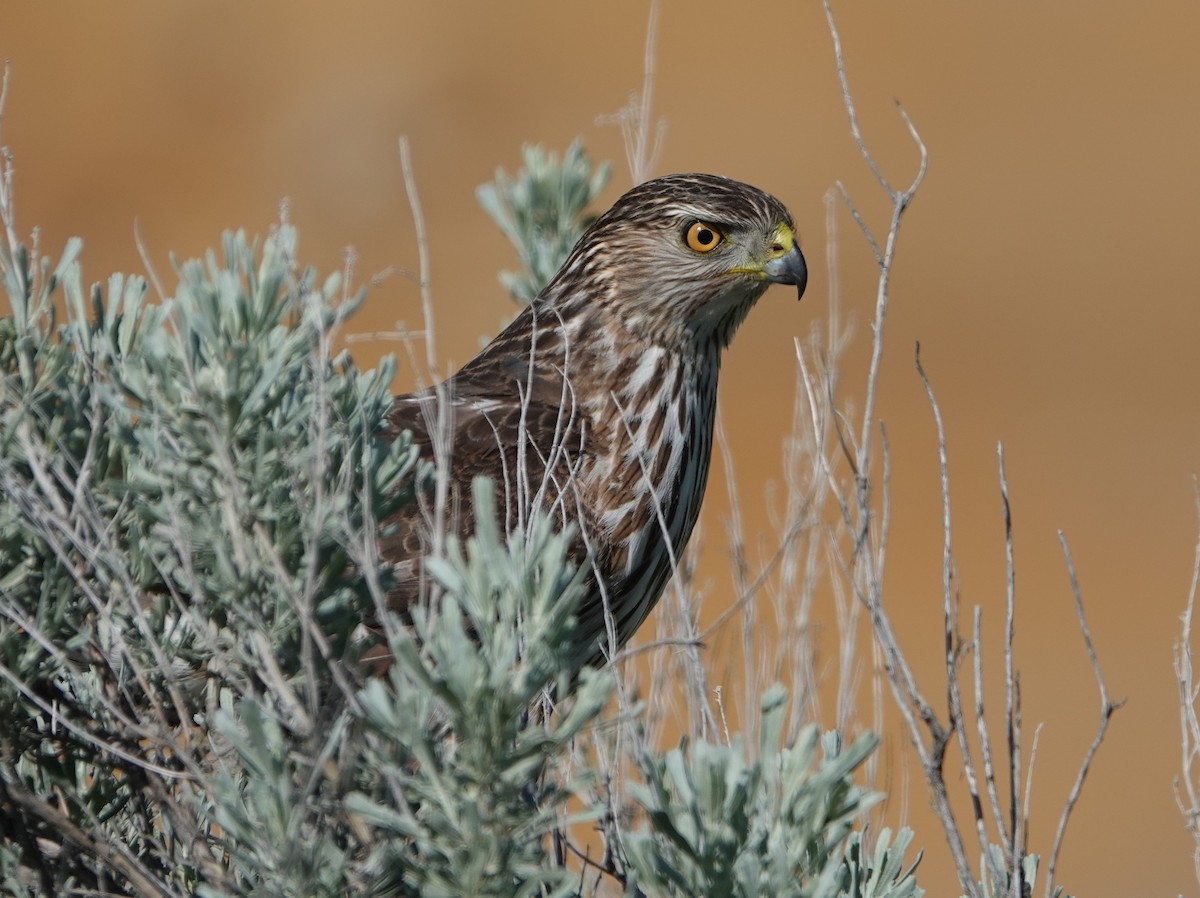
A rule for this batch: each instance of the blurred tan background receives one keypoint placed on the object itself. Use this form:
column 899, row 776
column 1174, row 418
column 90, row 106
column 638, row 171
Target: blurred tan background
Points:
column 1048, row 268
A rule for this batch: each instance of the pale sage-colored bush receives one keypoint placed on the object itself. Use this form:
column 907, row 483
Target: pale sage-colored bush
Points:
column 193, row 487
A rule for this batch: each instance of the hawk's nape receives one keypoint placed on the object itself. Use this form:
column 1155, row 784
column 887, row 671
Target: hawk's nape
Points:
column 596, row 404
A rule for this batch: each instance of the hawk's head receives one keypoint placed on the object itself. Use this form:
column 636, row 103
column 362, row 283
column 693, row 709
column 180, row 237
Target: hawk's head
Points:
column 683, row 258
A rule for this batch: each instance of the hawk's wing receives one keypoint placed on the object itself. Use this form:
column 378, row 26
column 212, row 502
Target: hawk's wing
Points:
column 528, row 447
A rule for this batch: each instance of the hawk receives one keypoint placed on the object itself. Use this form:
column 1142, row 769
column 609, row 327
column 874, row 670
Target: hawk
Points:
column 596, row 405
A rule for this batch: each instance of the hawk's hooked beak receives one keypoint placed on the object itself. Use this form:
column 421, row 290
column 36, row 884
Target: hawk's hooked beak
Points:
column 786, row 263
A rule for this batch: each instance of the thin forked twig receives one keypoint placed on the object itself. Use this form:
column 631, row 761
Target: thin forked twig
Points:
column 1014, row 835
column 952, row 645
column 884, row 258
column 848, row 101
column 863, row 569
column 1107, row 708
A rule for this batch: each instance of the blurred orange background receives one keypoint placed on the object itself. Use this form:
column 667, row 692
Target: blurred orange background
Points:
column 1048, row 268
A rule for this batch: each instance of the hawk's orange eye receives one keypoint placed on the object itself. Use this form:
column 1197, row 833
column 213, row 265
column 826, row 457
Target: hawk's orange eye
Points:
column 702, row 237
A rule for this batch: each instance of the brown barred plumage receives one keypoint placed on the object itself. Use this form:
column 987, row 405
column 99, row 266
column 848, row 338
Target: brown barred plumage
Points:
column 597, row 402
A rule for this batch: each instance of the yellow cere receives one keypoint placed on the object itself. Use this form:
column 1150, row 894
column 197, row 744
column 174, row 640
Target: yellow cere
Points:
column 782, row 242
column 782, row 239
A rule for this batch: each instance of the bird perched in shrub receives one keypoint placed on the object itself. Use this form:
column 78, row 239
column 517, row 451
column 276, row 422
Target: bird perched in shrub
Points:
column 596, row 405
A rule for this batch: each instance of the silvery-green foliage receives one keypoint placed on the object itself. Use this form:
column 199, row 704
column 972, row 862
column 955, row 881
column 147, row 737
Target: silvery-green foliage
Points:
column 432, row 780
column 882, row 873
column 278, row 811
column 994, row 881
column 466, row 804
column 185, row 492
column 190, row 496
column 781, row 824
column 543, row 211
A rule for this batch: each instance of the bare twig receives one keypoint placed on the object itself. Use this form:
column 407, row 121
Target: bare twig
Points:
column 952, row 645
column 1106, row 712
column 148, row 263
column 418, row 217
column 1015, row 833
column 884, row 259
column 635, row 117
column 441, row 427
column 112, row 852
column 862, row 567
column 1187, row 790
